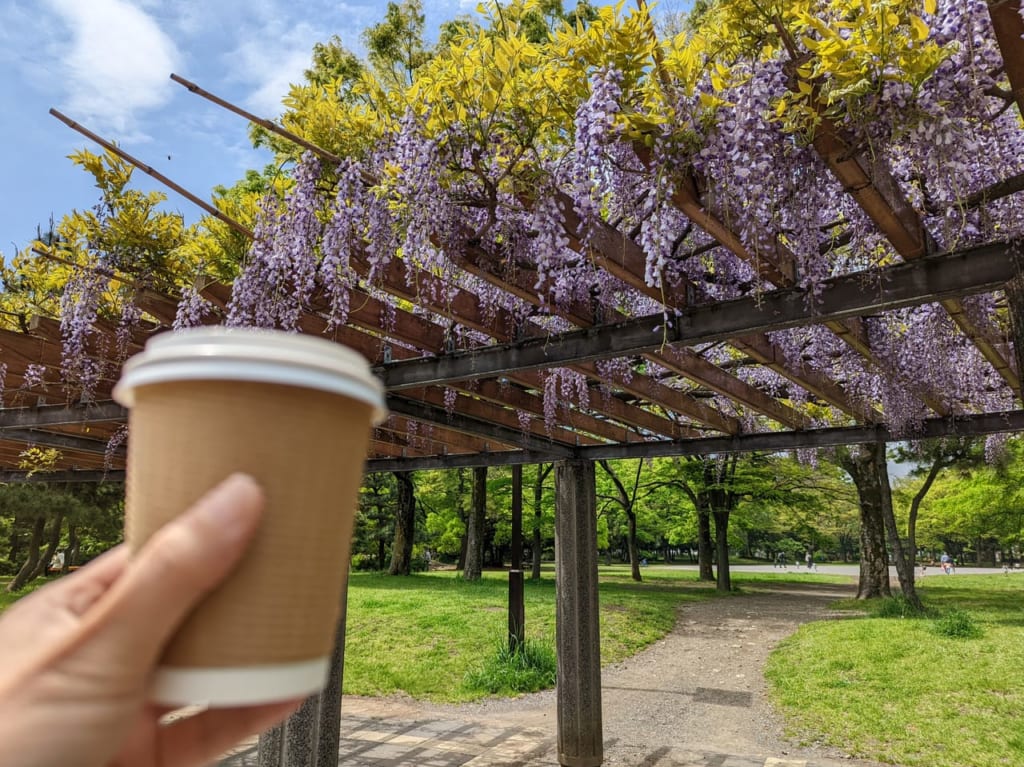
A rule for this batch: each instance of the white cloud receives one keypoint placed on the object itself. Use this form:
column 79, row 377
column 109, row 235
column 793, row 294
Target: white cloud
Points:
column 114, row 64
column 270, row 57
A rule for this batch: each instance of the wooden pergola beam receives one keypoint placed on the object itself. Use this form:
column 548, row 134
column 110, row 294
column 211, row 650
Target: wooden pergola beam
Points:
column 871, row 184
column 476, row 427
column 464, row 308
column 53, row 415
column 644, row 386
column 467, row 403
column 62, row 477
column 770, row 442
column 977, row 270
column 435, row 437
column 640, row 418
column 60, row 441
column 780, row 269
column 622, row 256
column 932, row 428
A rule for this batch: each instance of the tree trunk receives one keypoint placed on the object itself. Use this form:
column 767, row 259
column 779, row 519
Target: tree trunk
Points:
column 634, row 552
column 405, row 526
column 460, row 507
column 475, row 526
column 704, row 545
column 627, row 502
column 874, row 564
column 71, row 552
column 915, row 507
column 904, row 566
column 15, row 542
column 38, row 529
column 51, row 548
column 535, row 549
column 724, row 581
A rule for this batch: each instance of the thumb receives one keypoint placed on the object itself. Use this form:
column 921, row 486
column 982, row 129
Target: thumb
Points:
column 176, row 567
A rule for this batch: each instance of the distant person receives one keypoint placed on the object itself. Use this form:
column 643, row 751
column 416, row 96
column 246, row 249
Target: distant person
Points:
column 57, row 562
column 944, row 562
column 810, row 560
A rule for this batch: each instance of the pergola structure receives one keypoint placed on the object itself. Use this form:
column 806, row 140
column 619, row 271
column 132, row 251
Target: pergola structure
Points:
column 453, row 406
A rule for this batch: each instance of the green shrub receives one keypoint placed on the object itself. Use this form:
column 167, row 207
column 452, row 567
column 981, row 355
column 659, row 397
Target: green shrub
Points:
column 364, row 563
column 958, row 624
column 530, row 667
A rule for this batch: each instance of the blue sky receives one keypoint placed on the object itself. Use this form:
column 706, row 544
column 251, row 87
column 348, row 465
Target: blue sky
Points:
column 106, row 64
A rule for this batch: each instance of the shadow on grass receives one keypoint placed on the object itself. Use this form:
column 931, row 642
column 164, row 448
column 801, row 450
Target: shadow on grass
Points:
column 992, row 600
column 614, row 584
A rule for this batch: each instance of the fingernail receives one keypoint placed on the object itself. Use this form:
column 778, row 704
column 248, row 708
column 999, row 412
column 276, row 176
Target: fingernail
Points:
column 234, row 505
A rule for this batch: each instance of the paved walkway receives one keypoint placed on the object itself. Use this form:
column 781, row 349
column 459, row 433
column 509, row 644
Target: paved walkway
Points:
column 392, row 733
column 384, row 733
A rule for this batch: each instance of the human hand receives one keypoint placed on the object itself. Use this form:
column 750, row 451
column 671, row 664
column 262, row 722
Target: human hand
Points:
column 78, row 654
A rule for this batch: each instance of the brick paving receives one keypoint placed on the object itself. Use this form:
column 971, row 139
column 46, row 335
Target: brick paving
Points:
column 380, row 733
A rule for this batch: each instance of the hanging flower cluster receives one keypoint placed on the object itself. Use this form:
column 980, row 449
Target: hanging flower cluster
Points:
column 278, row 281
column 79, row 305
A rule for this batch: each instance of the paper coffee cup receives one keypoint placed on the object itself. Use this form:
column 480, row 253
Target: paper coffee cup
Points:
column 295, row 412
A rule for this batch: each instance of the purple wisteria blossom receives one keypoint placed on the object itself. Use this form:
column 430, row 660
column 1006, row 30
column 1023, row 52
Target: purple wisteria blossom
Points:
column 192, row 308
column 79, row 307
column 34, row 377
column 280, row 276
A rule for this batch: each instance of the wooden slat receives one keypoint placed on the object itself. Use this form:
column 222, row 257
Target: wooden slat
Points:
column 870, row 182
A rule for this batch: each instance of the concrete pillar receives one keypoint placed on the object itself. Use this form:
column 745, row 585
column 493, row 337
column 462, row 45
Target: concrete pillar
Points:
column 312, row 735
column 580, row 735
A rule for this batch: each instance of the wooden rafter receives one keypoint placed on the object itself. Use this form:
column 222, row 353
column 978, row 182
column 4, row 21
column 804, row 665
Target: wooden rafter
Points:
column 475, row 261
column 620, row 255
column 1009, row 30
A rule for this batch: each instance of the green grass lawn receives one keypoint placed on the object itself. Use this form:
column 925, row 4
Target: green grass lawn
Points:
column 421, row 635
column 897, row 689
column 6, row 600
column 424, row 634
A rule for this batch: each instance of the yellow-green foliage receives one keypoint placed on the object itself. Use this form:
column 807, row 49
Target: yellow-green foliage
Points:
column 498, row 86
column 135, row 236
column 141, row 244
column 840, row 51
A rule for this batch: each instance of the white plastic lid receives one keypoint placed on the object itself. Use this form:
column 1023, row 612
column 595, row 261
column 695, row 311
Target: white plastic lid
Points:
column 242, row 354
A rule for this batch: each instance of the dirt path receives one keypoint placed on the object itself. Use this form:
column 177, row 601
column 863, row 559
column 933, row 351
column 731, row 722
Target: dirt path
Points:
column 700, row 690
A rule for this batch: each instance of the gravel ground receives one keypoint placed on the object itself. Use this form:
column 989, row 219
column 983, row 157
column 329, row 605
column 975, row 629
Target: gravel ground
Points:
column 699, row 690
